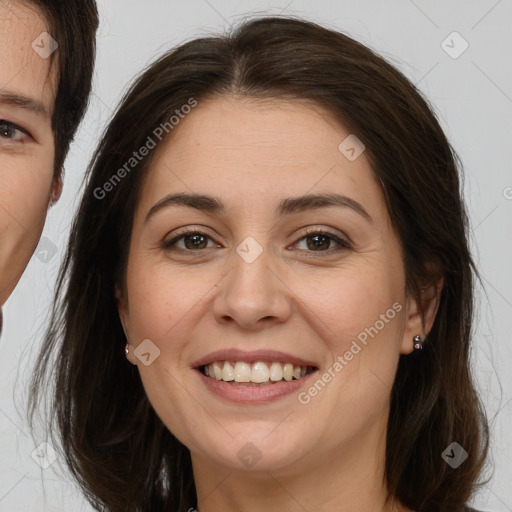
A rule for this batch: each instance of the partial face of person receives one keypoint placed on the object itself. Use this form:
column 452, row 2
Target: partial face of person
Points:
column 265, row 302
column 27, row 93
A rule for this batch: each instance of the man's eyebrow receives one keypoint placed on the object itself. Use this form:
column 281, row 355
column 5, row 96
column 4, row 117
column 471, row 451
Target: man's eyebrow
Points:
column 286, row 206
column 24, row 102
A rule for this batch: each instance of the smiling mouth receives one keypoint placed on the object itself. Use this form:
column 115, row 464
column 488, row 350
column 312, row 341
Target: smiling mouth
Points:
column 259, row 373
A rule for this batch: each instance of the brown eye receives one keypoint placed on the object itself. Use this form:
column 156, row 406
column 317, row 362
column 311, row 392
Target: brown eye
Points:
column 12, row 132
column 320, row 241
column 188, row 241
column 195, row 241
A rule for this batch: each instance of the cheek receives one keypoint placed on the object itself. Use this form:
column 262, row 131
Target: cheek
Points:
column 165, row 301
column 24, row 196
column 365, row 314
column 351, row 299
column 26, row 186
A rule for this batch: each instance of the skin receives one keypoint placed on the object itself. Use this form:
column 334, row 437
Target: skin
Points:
column 309, row 302
column 27, row 184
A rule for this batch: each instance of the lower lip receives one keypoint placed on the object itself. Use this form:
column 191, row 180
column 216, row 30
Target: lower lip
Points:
column 254, row 394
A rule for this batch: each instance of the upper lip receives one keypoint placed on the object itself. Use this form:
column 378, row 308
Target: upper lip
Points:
column 252, row 356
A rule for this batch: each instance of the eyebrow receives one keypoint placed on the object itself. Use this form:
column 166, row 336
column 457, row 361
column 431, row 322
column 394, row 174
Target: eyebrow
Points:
column 24, row 102
column 286, row 206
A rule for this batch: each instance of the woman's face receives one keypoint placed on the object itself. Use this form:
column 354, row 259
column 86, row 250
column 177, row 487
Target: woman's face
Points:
column 270, row 281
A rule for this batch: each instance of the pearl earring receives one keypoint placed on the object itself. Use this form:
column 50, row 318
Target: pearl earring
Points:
column 418, row 342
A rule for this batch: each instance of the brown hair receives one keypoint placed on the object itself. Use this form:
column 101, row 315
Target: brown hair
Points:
column 73, row 24
column 118, row 449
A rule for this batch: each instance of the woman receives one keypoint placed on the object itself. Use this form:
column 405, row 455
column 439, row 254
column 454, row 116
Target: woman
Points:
column 273, row 234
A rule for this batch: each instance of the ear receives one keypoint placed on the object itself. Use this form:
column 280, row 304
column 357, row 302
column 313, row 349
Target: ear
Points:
column 57, row 187
column 124, row 317
column 414, row 324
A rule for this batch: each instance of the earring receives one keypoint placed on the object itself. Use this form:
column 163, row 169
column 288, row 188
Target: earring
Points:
column 126, row 349
column 418, row 342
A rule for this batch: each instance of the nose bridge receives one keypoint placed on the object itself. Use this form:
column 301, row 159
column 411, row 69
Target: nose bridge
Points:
column 251, row 268
column 251, row 291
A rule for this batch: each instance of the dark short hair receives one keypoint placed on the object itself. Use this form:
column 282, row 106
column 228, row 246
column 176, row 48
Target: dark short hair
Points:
column 73, row 24
column 118, row 449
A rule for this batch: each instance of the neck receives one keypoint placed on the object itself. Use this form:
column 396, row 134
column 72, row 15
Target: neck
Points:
column 343, row 478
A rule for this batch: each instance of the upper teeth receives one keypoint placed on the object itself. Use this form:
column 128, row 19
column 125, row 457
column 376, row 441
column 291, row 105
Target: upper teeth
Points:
column 257, row 372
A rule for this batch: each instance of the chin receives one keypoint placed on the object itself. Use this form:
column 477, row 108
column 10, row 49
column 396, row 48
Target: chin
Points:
column 246, row 453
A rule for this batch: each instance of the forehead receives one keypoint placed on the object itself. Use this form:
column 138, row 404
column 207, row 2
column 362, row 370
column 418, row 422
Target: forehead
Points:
column 26, row 66
column 235, row 147
column 267, row 126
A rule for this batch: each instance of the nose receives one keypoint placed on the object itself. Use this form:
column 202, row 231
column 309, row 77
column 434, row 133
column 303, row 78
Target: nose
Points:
column 252, row 295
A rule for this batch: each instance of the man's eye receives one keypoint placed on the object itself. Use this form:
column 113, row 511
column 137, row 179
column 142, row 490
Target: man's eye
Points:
column 12, row 132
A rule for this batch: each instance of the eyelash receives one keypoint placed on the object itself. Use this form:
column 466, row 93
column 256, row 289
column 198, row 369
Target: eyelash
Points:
column 342, row 244
column 7, row 126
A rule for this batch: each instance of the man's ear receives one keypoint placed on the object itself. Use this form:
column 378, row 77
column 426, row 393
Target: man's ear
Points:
column 124, row 317
column 57, row 187
column 414, row 324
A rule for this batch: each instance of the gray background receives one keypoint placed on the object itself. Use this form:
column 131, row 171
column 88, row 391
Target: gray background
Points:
column 472, row 95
